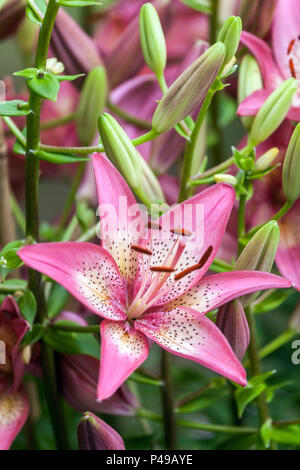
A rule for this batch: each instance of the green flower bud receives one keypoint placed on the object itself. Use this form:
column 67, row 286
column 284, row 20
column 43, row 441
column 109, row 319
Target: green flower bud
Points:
column 223, row 178
column 273, row 111
column 250, row 80
column 230, row 35
column 266, row 160
column 291, row 168
column 189, row 90
column 259, row 254
column 152, row 39
column 120, row 150
column 150, row 184
column 91, row 104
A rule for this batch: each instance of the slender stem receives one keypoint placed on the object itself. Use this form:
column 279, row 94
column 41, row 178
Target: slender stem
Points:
column 255, row 365
column 241, row 220
column 128, row 117
column 89, row 234
column 193, row 396
column 7, row 226
column 52, row 123
column 276, row 343
column 201, row 426
column 72, row 194
column 15, row 130
column 168, row 402
column 75, row 329
column 284, row 424
column 184, row 191
column 11, row 288
column 70, row 229
column 215, row 105
column 216, row 169
column 281, row 213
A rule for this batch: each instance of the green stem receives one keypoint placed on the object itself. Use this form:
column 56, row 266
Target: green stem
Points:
column 167, row 394
column 128, row 117
column 70, row 229
column 241, row 220
column 89, row 234
column 201, row 426
column 58, row 121
column 215, row 170
column 276, row 343
column 281, row 213
column 184, row 191
column 15, row 130
column 215, row 105
column 75, row 329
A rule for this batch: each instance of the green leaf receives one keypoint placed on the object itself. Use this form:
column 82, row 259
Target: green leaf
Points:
column 289, row 435
column 26, row 73
column 204, row 401
column 35, row 10
column 13, row 285
column 59, row 158
column 33, row 335
column 190, row 125
column 245, row 396
column 266, row 432
column 57, row 300
column 45, row 85
column 258, row 379
column 141, row 377
column 11, row 260
column 69, row 78
column 27, row 305
column 78, row 3
column 14, row 108
column 72, row 343
column 274, row 299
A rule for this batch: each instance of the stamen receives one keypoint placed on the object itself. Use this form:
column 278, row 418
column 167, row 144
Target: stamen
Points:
column 292, row 68
column 153, row 226
column 186, row 271
column 205, row 257
column 140, row 249
column 291, row 45
column 162, row 269
column 181, row 231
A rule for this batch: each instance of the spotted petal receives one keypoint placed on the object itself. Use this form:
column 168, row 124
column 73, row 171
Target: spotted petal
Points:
column 184, row 332
column 87, row 271
column 14, row 410
column 218, row 289
column 122, row 221
column 123, row 350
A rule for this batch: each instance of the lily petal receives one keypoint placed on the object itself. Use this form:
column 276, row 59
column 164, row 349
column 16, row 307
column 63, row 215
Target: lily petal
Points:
column 122, row 220
column 87, row 271
column 123, row 350
column 14, row 410
column 184, row 332
column 263, row 54
column 218, row 289
column 252, row 104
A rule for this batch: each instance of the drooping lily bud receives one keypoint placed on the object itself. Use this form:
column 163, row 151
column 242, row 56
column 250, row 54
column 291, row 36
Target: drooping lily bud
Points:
column 294, row 323
column 230, row 35
column 291, row 168
column 152, row 39
column 91, row 104
column 189, row 90
column 94, row 434
column 224, row 178
column 273, row 111
column 232, row 321
column 266, row 160
column 250, row 80
column 257, row 15
column 259, row 253
column 120, row 150
column 73, row 46
column 11, row 14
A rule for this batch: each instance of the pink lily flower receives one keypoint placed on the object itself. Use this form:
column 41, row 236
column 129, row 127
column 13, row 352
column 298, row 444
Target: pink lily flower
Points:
column 14, row 404
column 279, row 63
column 149, row 282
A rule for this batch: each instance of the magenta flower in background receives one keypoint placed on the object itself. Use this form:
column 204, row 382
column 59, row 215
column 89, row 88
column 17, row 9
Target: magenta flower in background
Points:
column 149, row 283
column 279, row 63
column 14, row 404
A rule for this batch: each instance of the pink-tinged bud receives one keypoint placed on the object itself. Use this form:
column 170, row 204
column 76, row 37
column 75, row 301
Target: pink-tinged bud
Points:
column 73, row 46
column 126, row 57
column 233, row 323
column 79, row 376
column 294, row 323
column 11, row 15
column 189, row 90
column 94, row 434
column 257, row 15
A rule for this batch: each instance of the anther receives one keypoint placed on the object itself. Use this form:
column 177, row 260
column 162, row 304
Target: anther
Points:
column 162, row 269
column 140, row 249
column 181, row 231
column 291, row 45
column 153, row 226
column 205, row 257
column 292, row 68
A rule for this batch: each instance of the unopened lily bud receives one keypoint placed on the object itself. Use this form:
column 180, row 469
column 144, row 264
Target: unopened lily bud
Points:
column 250, row 80
column 94, row 434
column 273, row 111
column 91, row 104
column 223, row 178
column 151, row 185
column 266, row 160
column 294, row 323
column 232, row 321
column 120, row 150
column 11, row 14
column 152, row 39
column 257, row 15
column 259, row 253
column 291, row 168
column 189, row 90
column 73, row 46
column 26, row 36
column 230, row 35
column 54, row 66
